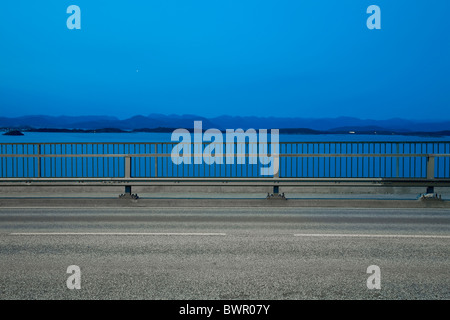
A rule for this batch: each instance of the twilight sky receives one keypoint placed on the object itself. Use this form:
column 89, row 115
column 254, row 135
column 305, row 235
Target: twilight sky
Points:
column 307, row 58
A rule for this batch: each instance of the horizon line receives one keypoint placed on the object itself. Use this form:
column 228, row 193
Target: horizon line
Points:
column 228, row 115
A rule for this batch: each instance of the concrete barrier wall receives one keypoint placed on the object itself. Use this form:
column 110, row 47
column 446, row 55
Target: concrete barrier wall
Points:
column 20, row 190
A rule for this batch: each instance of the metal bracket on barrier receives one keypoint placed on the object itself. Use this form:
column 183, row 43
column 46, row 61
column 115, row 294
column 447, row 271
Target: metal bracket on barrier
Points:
column 430, row 195
column 128, row 194
column 276, row 194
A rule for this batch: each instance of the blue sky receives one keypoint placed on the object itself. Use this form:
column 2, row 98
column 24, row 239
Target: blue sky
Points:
column 312, row 58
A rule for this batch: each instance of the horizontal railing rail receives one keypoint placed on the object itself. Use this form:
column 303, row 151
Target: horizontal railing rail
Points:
column 168, row 155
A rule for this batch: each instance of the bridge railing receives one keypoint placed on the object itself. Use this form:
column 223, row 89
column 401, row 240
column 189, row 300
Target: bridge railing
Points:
column 427, row 160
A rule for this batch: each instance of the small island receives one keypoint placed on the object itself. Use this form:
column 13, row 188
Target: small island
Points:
column 13, row 133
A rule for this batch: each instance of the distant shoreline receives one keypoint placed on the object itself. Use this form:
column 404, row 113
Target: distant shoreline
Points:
column 304, row 131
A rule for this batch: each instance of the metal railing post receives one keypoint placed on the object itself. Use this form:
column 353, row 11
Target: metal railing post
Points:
column 276, row 175
column 430, row 167
column 39, row 161
column 127, row 167
column 276, row 165
column 156, row 161
column 397, row 164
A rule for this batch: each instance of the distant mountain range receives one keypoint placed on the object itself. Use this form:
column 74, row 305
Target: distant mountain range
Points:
column 161, row 123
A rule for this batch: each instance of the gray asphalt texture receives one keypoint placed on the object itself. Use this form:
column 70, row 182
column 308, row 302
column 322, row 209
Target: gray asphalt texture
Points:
column 258, row 257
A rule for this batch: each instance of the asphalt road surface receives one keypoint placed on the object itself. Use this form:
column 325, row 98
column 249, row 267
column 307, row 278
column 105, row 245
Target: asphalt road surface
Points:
column 224, row 253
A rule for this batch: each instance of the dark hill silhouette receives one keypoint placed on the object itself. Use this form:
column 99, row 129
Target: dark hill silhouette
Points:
column 154, row 120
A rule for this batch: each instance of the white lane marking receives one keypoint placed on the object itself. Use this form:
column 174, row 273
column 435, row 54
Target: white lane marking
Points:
column 346, row 235
column 113, row 234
